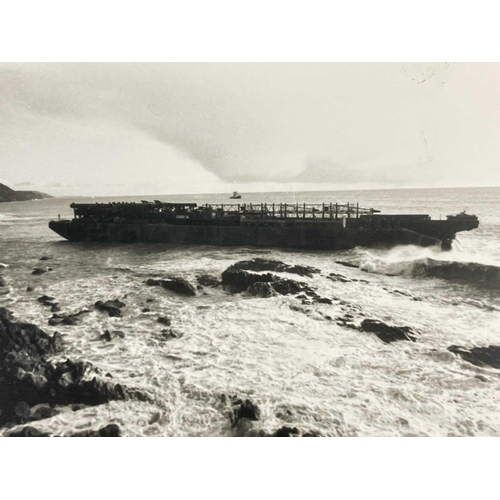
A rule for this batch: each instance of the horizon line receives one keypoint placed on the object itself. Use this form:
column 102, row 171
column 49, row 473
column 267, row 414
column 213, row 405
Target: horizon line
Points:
column 264, row 192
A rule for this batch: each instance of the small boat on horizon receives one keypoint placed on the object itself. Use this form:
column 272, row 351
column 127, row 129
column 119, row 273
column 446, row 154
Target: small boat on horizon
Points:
column 235, row 196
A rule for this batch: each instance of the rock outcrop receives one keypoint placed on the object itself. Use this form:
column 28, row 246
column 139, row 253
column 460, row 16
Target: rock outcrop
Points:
column 259, row 265
column 262, row 289
column 37, row 271
column 164, row 320
column 244, row 409
column 112, row 307
column 68, row 319
column 286, row 431
column 176, row 285
column 244, row 415
column 479, row 356
column 46, row 300
column 208, row 280
column 267, row 284
column 108, row 336
column 110, row 430
column 237, row 281
column 30, row 384
column 388, row 333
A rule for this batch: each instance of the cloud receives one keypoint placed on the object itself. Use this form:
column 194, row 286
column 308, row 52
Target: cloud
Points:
column 208, row 126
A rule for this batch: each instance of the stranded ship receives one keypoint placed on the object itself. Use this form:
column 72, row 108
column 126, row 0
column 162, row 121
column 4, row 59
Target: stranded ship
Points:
column 326, row 226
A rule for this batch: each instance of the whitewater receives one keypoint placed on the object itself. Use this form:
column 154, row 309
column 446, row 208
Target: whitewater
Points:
column 292, row 357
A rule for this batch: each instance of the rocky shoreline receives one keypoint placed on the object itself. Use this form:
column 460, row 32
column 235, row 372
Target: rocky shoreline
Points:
column 34, row 387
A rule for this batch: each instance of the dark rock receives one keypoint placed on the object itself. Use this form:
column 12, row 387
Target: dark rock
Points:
column 347, row 264
column 345, row 322
column 106, row 336
column 477, row 275
column 146, row 310
column 68, row 320
column 25, row 338
column 261, row 289
column 45, row 299
column 340, row 277
column 109, row 336
column 238, row 281
column 28, row 431
column 2, row 281
column 285, row 286
column 28, row 379
column 244, row 409
column 479, row 356
column 21, row 346
column 112, row 307
column 150, row 299
column 287, row 432
column 164, row 320
column 110, row 430
column 39, row 270
column 177, row 285
column 244, row 427
column 207, row 280
column 22, row 410
column 323, row 300
column 312, row 434
column 42, row 411
column 259, row 265
column 45, row 258
column 170, row 334
column 388, row 333
column 29, row 288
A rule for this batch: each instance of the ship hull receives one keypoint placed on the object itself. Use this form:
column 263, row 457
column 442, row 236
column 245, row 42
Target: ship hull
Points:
column 315, row 236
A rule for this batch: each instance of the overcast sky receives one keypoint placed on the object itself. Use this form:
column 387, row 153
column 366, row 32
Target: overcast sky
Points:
column 122, row 129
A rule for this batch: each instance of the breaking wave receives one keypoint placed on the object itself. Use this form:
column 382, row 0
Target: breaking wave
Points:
column 483, row 275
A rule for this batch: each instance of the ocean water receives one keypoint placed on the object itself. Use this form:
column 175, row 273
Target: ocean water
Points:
column 302, row 369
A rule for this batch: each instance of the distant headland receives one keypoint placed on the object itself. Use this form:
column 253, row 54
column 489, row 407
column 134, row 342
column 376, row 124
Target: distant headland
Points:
column 8, row 194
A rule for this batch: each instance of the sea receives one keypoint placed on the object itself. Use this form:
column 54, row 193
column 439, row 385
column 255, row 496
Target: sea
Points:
column 301, row 367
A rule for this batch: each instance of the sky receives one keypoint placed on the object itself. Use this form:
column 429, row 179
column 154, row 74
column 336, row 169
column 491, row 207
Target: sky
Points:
column 174, row 128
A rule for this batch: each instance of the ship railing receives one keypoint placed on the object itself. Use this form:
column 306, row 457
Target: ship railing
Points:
column 290, row 210
column 252, row 211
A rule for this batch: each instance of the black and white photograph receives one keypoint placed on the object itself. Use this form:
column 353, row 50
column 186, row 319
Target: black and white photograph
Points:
column 253, row 248
column 249, row 249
